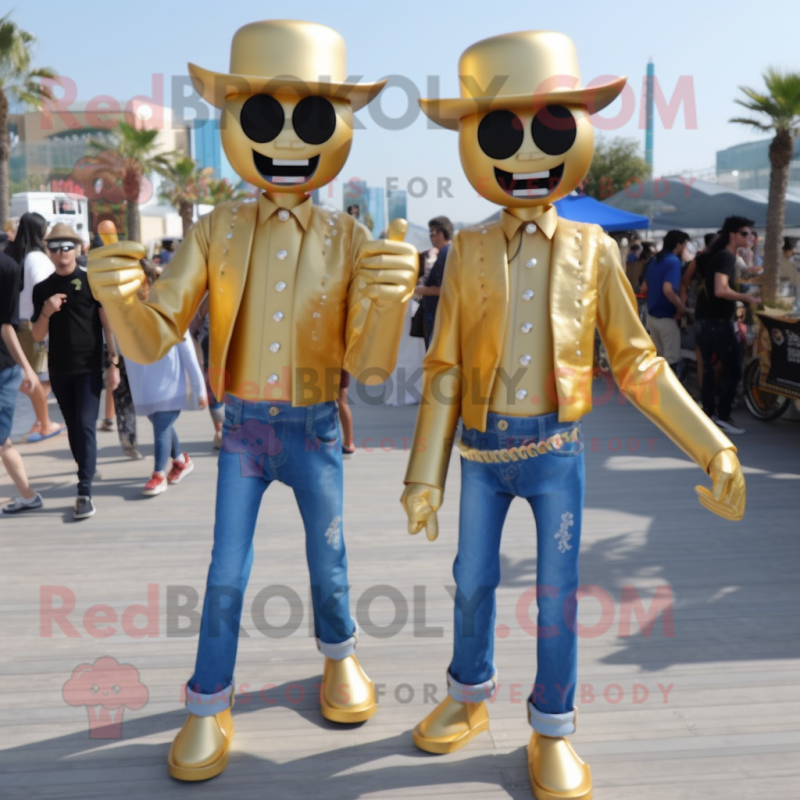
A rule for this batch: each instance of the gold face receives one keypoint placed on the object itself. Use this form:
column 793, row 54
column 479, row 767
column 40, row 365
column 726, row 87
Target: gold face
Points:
column 287, row 144
column 526, row 157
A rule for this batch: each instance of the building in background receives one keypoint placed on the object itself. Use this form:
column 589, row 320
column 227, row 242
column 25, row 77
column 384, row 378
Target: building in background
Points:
column 370, row 202
column 649, row 100
column 376, row 208
column 746, row 166
column 206, row 145
column 354, row 193
column 397, row 204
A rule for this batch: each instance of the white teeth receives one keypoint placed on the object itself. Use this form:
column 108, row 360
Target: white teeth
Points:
column 286, row 179
column 284, row 162
column 529, row 192
column 531, row 176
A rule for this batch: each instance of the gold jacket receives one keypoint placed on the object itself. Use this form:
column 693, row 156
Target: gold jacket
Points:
column 354, row 333
column 461, row 365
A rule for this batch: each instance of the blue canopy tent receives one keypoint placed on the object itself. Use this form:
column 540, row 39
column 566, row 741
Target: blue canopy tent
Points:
column 582, row 208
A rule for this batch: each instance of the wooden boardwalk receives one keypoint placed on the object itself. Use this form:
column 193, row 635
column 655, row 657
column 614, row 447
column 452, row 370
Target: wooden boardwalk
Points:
column 712, row 711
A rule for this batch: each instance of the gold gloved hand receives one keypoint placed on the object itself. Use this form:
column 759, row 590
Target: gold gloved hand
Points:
column 421, row 502
column 387, row 268
column 728, row 494
column 114, row 271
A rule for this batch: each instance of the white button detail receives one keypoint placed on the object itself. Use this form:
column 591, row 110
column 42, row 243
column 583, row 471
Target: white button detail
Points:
column 525, row 360
column 274, row 347
column 521, row 394
column 283, row 215
column 531, row 227
column 577, row 352
column 531, row 263
column 316, row 315
column 483, row 232
column 277, row 316
column 330, row 222
column 528, row 294
column 327, row 243
column 229, row 236
column 526, row 327
column 281, row 254
column 273, row 378
column 280, row 286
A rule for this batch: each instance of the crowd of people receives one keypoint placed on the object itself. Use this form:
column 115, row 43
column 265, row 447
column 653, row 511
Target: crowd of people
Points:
column 55, row 336
column 680, row 284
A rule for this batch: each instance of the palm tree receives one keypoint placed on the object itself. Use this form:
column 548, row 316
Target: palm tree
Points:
column 779, row 110
column 18, row 81
column 131, row 159
column 187, row 184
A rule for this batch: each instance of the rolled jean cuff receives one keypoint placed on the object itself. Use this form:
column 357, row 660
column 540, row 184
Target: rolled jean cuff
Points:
column 555, row 725
column 340, row 651
column 467, row 693
column 208, row 705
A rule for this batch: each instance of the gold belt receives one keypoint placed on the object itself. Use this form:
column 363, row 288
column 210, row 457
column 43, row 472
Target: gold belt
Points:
column 524, row 452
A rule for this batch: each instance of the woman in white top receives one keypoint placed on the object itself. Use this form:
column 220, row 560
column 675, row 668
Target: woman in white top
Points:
column 28, row 251
column 160, row 392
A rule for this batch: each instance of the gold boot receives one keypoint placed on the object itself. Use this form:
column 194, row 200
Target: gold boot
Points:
column 347, row 695
column 450, row 726
column 556, row 771
column 200, row 750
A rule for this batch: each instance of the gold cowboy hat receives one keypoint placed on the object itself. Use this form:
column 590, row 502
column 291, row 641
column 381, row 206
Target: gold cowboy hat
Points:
column 269, row 56
column 519, row 69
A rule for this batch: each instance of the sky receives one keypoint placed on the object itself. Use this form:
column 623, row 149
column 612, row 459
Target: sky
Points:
column 699, row 51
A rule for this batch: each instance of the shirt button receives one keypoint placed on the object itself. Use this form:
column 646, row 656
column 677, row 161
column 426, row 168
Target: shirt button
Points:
column 283, row 215
column 274, row 347
column 274, row 411
column 577, row 352
column 531, row 227
column 277, row 316
column 330, row 222
column 528, row 294
column 229, row 236
column 281, row 254
column 316, row 315
column 525, row 360
column 521, row 394
column 273, row 378
column 526, row 327
column 327, row 243
column 531, row 262
column 280, row 286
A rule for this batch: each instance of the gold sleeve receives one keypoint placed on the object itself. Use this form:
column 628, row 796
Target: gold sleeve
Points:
column 373, row 329
column 645, row 378
column 147, row 330
column 440, row 405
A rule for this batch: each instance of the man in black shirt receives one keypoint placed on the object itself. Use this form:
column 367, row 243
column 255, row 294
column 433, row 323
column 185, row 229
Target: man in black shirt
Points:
column 716, row 306
column 64, row 307
column 14, row 372
column 441, row 234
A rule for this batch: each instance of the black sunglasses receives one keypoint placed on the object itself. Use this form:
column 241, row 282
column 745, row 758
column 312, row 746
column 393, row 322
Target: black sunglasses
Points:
column 65, row 247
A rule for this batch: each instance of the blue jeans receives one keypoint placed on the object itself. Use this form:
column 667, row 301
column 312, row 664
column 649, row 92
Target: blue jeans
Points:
column 165, row 437
column 10, row 380
column 302, row 448
column 553, row 484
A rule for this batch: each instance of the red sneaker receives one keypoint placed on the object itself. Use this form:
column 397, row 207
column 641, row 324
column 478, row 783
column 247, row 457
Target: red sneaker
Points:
column 180, row 469
column 156, row 485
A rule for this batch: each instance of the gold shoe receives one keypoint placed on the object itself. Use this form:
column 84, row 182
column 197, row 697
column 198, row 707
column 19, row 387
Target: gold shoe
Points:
column 450, row 726
column 347, row 695
column 200, row 750
column 556, row 771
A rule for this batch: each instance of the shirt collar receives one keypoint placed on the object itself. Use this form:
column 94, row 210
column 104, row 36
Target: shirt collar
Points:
column 301, row 212
column 546, row 220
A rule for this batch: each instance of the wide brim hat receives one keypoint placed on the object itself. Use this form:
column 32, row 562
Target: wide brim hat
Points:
column 520, row 70
column 277, row 56
column 61, row 232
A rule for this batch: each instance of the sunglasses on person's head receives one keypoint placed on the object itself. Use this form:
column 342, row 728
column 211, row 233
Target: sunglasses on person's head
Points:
column 64, row 247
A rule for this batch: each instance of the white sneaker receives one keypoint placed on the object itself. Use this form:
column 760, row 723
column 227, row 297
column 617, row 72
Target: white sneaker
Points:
column 19, row 504
column 728, row 426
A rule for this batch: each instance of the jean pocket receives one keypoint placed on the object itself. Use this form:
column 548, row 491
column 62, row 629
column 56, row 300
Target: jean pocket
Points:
column 326, row 428
column 566, row 444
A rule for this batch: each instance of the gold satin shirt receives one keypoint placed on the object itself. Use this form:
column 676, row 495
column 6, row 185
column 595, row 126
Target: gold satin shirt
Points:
column 330, row 324
column 588, row 289
column 521, row 389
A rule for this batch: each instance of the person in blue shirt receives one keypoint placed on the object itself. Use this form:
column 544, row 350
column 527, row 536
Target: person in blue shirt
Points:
column 664, row 305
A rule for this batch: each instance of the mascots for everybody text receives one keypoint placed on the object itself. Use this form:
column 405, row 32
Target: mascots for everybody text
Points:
column 512, row 356
column 296, row 294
